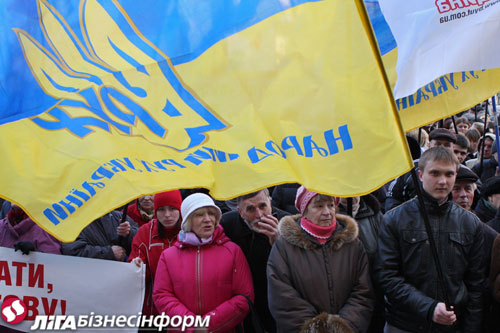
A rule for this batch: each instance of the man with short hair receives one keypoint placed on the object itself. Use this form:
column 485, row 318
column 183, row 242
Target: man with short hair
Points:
column 254, row 228
column 488, row 146
column 464, row 188
column 473, row 136
column 402, row 188
column 405, row 268
column 489, row 167
column 461, row 148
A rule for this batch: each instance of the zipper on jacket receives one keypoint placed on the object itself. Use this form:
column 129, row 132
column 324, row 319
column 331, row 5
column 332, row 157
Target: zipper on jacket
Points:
column 437, row 250
column 198, row 278
column 326, row 261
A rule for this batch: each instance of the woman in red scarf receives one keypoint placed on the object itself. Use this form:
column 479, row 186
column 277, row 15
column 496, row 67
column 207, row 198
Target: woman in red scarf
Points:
column 317, row 273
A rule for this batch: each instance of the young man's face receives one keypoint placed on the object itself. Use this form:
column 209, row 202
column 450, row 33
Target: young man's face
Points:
column 473, row 145
column 438, row 179
column 487, row 148
column 460, row 152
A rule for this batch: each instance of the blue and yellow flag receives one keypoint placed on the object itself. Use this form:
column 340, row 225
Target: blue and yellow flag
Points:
column 441, row 98
column 103, row 101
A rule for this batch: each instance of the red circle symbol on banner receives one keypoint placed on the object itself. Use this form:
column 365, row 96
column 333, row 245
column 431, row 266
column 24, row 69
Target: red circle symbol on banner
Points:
column 13, row 310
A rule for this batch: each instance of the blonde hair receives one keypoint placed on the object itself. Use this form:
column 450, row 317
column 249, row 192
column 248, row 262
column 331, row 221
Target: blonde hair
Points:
column 424, row 137
column 187, row 226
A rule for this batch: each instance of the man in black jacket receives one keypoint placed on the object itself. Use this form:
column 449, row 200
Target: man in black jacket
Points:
column 105, row 238
column 402, row 188
column 405, row 268
column 254, row 228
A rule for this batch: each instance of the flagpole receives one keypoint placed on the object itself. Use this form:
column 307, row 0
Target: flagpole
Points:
column 349, row 207
column 494, row 104
column 454, row 124
column 484, row 137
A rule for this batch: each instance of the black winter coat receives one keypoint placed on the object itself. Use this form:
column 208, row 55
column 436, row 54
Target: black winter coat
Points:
column 96, row 239
column 406, row 271
column 484, row 211
column 256, row 248
column 284, row 197
column 401, row 190
column 489, row 169
column 369, row 219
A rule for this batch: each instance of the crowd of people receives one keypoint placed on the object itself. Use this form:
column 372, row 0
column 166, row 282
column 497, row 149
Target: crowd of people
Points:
column 420, row 254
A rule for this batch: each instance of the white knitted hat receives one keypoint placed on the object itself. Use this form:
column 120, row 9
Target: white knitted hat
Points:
column 192, row 203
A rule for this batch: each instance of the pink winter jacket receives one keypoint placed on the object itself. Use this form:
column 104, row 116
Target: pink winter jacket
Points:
column 204, row 280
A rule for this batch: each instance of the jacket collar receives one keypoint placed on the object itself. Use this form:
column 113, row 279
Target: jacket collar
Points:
column 218, row 238
column 432, row 205
column 346, row 232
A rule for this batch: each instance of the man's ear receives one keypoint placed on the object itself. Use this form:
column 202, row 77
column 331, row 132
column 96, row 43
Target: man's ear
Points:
column 420, row 174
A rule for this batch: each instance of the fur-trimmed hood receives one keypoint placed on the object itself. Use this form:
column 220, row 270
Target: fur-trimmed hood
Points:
column 346, row 232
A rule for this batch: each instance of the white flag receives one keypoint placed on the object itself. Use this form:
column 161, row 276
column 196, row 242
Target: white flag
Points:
column 437, row 37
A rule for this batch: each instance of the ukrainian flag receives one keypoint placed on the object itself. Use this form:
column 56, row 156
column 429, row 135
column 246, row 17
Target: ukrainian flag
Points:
column 440, row 98
column 103, row 101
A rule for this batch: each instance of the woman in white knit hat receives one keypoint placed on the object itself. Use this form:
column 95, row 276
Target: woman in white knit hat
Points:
column 205, row 273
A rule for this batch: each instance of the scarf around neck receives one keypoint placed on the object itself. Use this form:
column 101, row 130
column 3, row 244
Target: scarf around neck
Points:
column 319, row 233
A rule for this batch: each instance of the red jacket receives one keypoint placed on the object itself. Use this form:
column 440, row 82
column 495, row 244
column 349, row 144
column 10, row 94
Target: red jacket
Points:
column 148, row 246
column 205, row 280
column 134, row 213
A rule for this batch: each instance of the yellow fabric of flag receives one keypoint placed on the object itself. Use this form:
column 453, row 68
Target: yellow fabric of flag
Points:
column 297, row 95
column 443, row 97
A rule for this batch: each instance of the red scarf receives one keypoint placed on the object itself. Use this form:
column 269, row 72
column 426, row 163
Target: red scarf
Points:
column 319, row 233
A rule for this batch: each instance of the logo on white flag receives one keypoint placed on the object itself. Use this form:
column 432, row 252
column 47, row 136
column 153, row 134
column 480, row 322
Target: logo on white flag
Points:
column 444, row 6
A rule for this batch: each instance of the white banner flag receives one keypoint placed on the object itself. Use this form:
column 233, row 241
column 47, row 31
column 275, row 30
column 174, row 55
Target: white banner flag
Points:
column 438, row 37
column 48, row 284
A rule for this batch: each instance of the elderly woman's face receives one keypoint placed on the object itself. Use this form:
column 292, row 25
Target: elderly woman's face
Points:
column 203, row 221
column 320, row 211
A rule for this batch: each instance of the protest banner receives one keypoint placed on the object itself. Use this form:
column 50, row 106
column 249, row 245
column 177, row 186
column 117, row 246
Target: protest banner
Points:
column 51, row 285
